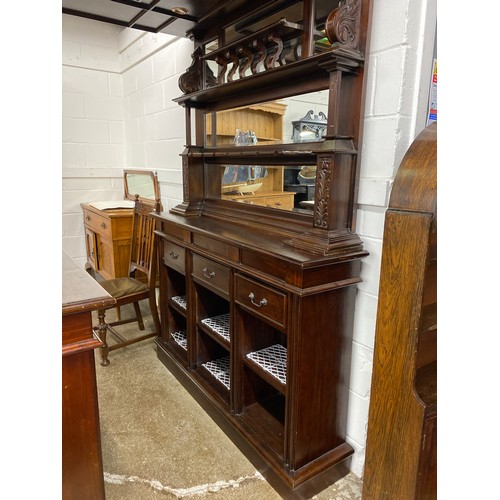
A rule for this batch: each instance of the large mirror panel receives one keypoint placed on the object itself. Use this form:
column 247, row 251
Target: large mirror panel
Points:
column 280, row 187
column 299, row 118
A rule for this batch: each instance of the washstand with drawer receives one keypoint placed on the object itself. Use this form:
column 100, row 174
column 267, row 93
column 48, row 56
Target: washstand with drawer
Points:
column 108, row 225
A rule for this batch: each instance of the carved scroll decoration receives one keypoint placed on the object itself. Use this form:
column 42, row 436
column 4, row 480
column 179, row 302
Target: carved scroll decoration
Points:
column 342, row 25
column 191, row 80
column 259, row 57
column 185, row 178
column 232, row 57
column 322, row 193
column 274, row 52
column 245, row 61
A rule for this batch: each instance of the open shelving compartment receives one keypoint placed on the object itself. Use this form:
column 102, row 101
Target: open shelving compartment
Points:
column 176, row 310
column 213, row 342
column 262, row 362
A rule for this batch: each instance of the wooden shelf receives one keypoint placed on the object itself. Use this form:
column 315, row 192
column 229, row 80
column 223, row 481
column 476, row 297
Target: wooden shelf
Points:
column 266, row 420
column 270, row 364
column 301, row 76
column 218, row 328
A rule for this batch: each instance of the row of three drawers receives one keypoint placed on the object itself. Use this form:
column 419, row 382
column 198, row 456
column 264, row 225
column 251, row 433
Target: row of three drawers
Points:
column 263, row 300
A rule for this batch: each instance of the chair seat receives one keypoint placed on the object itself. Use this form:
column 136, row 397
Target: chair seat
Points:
column 121, row 287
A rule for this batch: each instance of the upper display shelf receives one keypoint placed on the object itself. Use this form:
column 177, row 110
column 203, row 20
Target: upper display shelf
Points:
column 279, row 54
column 306, row 75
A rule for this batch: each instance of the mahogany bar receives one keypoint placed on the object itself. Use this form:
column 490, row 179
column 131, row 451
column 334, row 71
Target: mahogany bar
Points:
column 257, row 285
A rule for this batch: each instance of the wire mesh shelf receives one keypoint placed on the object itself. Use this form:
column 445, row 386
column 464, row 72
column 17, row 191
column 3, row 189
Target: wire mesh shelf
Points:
column 180, row 300
column 219, row 325
column 271, row 359
column 219, row 369
column 181, row 338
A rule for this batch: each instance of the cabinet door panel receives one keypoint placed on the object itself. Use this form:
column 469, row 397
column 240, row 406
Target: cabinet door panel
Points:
column 91, row 246
column 105, row 258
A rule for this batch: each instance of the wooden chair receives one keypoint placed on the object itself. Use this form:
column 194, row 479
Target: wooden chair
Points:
column 132, row 289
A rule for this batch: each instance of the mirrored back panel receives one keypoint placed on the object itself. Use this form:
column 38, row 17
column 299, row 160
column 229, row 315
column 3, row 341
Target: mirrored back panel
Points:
column 280, row 187
column 300, row 118
column 292, row 120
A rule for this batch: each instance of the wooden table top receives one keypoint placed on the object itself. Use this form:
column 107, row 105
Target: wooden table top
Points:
column 81, row 292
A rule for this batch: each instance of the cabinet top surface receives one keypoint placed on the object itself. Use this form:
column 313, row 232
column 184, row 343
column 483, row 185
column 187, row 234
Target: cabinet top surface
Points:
column 109, row 212
column 80, row 292
column 256, row 239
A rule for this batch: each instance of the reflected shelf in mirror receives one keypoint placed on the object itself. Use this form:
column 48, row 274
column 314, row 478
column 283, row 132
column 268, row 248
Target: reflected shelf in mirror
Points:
column 271, row 122
column 268, row 186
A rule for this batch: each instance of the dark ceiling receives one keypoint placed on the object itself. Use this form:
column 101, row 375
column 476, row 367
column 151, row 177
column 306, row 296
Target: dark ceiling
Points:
column 198, row 18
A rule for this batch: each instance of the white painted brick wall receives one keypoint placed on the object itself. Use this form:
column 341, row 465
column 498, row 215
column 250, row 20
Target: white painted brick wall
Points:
column 390, row 125
column 118, row 113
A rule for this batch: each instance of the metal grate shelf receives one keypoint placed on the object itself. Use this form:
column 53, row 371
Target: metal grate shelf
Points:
column 219, row 325
column 180, row 338
column 180, row 300
column 271, row 359
column 219, row 369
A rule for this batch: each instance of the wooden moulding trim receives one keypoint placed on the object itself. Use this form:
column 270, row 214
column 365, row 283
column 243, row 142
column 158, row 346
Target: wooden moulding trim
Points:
column 328, row 243
column 90, row 305
column 81, row 346
column 322, row 463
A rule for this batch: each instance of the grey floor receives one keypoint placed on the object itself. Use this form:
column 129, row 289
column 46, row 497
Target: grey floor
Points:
column 157, row 442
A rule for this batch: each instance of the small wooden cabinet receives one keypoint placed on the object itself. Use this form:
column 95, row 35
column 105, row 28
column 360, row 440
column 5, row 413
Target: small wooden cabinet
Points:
column 107, row 240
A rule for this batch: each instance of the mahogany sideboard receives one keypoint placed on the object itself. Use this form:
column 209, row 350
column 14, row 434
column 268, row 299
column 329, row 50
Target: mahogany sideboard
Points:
column 82, row 473
column 260, row 334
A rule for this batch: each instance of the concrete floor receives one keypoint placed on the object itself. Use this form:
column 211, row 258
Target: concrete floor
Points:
column 157, row 442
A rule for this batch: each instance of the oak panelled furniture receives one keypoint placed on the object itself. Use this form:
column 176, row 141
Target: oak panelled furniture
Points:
column 107, row 240
column 82, row 474
column 129, row 289
column 256, row 303
column 108, row 230
column 401, row 452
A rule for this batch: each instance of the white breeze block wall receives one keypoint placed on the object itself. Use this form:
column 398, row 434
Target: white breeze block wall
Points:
column 154, row 124
column 115, row 116
column 93, row 149
column 398, row 65
column 144, row 74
